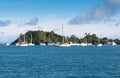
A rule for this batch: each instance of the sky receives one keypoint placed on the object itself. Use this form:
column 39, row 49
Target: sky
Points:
column 101, row 17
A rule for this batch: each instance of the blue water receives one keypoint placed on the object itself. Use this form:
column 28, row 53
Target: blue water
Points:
column 57, row 62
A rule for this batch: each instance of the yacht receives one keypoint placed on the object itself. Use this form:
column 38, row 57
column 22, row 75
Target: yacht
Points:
column 113, row 43
column 31, row 43
column 51, row 44
column 63, row 42
column 7, row 44
column 24, row 43
column 19, row 41
column 74, row 44
column 64, row 45
column 17, row 44
column 99, row 44
column 42, row 44
column 90, row 44
column 83, row 44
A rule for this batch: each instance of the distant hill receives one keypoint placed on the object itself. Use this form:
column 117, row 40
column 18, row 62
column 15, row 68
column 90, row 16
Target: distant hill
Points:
column 51, row 37
column 40, row 37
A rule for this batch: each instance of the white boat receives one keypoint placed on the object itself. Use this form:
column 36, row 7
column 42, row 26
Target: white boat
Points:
column 17, row 44
column 42, row 44
column 83, row 44
column 75, row 44
column 51, row 44
column 99, row 45
column 90, row 44
column 113, row 43
column 24, row 43
column 7, row 44
column 57, row 44
column 19, row 41
column 63, row 43
column 31, row 43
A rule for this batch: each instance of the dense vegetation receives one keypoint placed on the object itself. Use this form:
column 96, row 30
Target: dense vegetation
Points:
column 51, row 37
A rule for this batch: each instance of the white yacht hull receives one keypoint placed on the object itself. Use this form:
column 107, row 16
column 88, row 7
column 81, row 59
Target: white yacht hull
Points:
column 23, row 45
column 113, row 43
column 31, row 44
column 63, row 45
column 99, row 45
column 83, row 44
column 75, row 44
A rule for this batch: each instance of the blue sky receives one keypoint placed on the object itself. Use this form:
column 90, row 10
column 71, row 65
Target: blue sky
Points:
column 79, row 16
column 29, row 8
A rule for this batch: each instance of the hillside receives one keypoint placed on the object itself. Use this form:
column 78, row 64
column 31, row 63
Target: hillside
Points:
column 51, row 37
column 40, row 37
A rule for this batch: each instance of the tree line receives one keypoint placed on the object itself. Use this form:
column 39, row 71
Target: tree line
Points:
column 51, row 37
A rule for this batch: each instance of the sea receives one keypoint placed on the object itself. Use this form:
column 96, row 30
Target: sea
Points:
column 60, row 62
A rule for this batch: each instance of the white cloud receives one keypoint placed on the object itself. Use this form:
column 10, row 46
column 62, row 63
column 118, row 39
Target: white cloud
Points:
column 11, row 32
column 100, row 12
column 5, row 22
column 32, row 22
column 102, row 30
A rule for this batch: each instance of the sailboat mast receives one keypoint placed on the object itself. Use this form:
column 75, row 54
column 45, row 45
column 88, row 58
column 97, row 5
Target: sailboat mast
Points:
column 24, row 37
column 62, row 34
column 31, row 38
column 19, row 39
column 49, row 40
column 98, row 40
